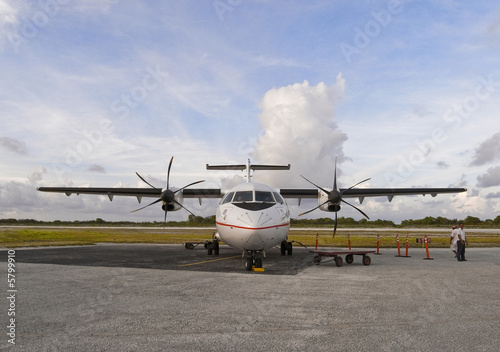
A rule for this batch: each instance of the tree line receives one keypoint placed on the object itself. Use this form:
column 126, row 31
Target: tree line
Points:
column 192, row 220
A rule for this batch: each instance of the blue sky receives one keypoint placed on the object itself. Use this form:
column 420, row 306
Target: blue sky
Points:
column 404, row 92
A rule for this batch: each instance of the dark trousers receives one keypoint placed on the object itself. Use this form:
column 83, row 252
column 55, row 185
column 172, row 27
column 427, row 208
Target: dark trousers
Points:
column 460, row 251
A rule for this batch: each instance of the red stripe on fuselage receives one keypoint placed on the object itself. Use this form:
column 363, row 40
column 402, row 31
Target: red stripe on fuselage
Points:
column 252, row 228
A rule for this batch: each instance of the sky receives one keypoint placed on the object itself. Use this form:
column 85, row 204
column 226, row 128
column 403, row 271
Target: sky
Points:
column 406, row 93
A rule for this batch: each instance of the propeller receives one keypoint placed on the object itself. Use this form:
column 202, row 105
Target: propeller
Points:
column 334, row 197
column 167, row 196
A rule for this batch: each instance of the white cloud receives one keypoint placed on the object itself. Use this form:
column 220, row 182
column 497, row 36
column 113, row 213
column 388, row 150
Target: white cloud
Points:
column 299, row 128
column 9, row 20
column 467, row 203
column 36, row 175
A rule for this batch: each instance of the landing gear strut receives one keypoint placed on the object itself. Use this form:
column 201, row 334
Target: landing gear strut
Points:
column 253, row 259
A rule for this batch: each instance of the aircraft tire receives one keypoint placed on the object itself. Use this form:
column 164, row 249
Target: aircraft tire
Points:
column 248, row 264
column 290, row 248
column 284, row 246
column 258, row 263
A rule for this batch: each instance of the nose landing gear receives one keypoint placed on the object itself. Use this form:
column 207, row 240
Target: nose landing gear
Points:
column 253, row 259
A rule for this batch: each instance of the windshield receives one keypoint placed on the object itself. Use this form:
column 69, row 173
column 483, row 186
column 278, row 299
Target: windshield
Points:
column 261, row 196
column 243, row 196
column 227, row 198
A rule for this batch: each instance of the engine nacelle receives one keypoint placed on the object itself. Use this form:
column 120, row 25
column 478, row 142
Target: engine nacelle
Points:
column 172, row 206
column 328, row 206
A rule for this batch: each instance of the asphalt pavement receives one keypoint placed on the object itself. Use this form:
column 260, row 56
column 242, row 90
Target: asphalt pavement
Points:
column 167, row 298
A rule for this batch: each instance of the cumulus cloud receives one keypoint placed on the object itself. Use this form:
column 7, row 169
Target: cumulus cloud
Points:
column 13, row 145
column 299, row 128
column 467, row 203
column 36, row 175
column 490, row 178
column 8, row 14
column 488, row 151
column 11, row 15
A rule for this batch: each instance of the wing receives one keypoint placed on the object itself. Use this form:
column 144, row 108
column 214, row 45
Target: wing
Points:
column 362, row 193
column 110, row 192
column 139, row 193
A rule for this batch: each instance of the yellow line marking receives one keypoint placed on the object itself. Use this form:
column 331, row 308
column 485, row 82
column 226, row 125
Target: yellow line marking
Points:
column 209, row 261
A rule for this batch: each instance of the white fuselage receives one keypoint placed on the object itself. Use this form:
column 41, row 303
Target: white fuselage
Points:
column 253, row 217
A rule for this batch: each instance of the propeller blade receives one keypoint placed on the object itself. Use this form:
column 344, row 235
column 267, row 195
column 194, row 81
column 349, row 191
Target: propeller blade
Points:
column 143, row 180
column 182, row 206
column 335, row 226
column 324, row 190
column 156, row 201
column 165, row 218
column 335, row 175
column 354, row 185
column 361, row 211
column 180, row 189
column 313, row 209
column 168, row 172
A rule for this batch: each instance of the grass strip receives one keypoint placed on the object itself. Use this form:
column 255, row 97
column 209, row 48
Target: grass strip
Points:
column 34, row 237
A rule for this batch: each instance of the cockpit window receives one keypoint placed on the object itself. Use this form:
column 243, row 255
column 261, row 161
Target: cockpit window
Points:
column 261, row 196
column 227, row 198
column 243, row 196
column 278, row 198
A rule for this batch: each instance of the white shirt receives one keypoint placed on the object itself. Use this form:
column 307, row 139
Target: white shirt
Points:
column 454, row 236
column 461, row 234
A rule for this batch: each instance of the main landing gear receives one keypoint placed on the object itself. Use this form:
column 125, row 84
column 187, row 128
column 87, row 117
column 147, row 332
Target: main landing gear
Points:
column 253, row 259
column 286, row 247
column 212, row 247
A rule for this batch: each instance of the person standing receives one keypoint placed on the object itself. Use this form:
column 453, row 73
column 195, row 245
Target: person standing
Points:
column 462, row 241
column 454, row 239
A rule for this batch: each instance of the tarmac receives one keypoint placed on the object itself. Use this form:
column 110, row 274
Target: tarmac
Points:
column 131, row 297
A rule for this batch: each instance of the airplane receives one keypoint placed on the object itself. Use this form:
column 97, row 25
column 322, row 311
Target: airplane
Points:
column 252, row 217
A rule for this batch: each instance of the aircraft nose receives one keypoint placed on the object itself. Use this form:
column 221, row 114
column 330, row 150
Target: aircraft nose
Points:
column 254, row 241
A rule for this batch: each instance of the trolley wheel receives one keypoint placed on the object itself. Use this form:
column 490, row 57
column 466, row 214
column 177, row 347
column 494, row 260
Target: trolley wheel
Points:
column 338, row 261
column 316, row 260
column 366, row 260
column 349, row 258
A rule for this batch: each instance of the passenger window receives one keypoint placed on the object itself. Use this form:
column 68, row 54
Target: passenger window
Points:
column 278, row 198
column 227, row 198
column 243, row 196
column 266, row 197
